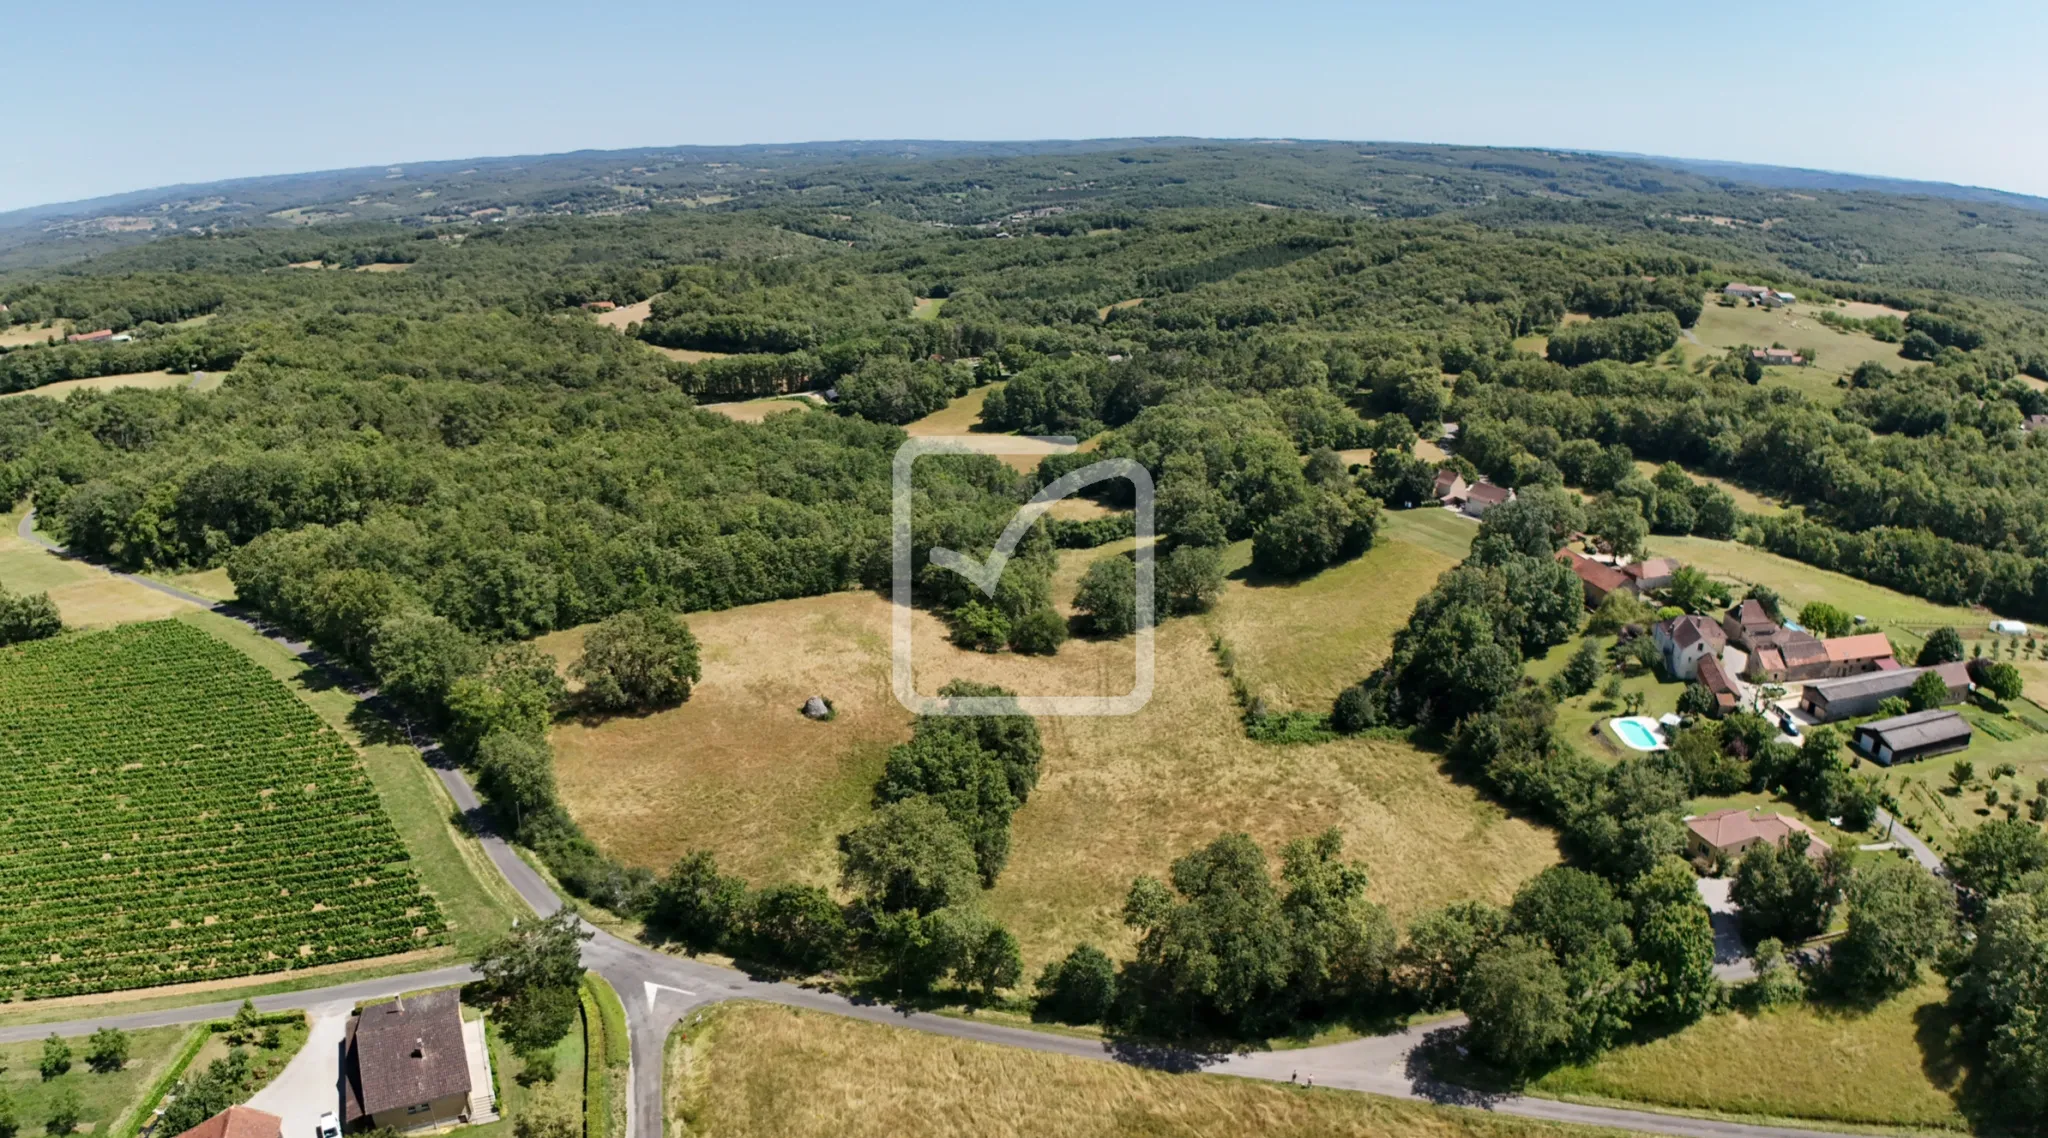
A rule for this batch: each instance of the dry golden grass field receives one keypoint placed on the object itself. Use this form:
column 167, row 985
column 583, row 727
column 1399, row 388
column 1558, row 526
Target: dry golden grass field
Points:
column 755, row 410
column 959, row 417
column 156, row 380
column 625, row 314
column 755, row 1071
column 1795, row 326
column 385, row 267
column 86, row 596
column 1896, row 1064
column 739, row 771
column 1103, row 312
column 15, row 335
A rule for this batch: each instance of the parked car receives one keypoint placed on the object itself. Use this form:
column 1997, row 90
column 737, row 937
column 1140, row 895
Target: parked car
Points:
column 328, row 1126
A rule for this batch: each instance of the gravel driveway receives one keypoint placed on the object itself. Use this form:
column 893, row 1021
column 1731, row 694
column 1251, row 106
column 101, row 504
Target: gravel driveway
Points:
column 309, row 1085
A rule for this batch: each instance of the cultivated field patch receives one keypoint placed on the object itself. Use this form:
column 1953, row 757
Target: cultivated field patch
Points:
column 16, row 335
column 754, row 1071
column 626, row 314
column 152, row 380
column 755, row 410
column 175, row 815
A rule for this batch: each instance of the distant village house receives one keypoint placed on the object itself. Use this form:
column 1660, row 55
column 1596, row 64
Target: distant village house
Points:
column 1472, row 499
column 1777, row 357
column 238, row 1122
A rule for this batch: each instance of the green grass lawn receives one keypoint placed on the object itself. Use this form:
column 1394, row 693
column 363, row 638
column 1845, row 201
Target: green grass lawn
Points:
column 1299, row 643
column 1894, row 1065
column 1932, row 805
column 1799, row 583
column 103, row 1098
column 1430, row 527
column 1582, row 719
column 515, row 1098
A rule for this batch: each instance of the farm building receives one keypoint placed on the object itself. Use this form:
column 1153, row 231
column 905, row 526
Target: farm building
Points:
column 238, row 1122
column 1827, row 700
column 99, row 337
column 406, row 1064
column 1726, row 695
column 1686, row 641
column 1742, row 291
column 1904, row 738
column 2009, row 627
column 1733, row 831
column 1791, row 655
column 1777, row 357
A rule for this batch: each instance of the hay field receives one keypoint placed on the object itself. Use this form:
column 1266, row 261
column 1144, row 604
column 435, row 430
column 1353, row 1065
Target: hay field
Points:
column 625, row 314
column 738, row 770
column 1103, row 312
column 153, row 380
column 755, row 410
column 754, row 1071
column 1806, row 1062
column 959, row 417
column 86, row 595
column 926, row 308
column 1299, row 643
column 15, row 335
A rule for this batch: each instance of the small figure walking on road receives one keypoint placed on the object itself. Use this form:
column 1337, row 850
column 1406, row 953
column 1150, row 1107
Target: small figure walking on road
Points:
column 1311, row 1081
column 1293, row 1075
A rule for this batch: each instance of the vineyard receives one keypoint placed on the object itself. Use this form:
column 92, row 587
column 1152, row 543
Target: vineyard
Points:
column 173, row 813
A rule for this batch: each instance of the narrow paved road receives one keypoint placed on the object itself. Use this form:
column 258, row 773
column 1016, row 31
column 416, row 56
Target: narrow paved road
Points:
column 659, row 990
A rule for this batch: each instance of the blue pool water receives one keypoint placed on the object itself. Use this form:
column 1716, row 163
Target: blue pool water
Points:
column 1635, row 734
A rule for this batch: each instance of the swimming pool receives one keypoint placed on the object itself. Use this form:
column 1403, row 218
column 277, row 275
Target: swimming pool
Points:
column 1638, row 732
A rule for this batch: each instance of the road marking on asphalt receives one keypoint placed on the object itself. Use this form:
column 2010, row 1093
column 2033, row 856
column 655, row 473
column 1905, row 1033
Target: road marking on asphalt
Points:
column 653, row 988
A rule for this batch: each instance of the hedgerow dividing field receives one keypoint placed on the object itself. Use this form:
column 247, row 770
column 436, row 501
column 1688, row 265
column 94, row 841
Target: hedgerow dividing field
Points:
column 172, row 813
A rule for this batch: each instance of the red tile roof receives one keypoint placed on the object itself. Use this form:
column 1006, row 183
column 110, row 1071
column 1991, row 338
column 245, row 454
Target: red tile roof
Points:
column 1489, row 493
column 238, row 1122
column 1868, row 646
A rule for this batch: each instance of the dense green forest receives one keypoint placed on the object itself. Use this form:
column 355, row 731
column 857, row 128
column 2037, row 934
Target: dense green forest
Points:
column 421, row 468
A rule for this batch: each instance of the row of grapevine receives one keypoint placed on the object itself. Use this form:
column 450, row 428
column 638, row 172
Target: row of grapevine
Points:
column 173, row 813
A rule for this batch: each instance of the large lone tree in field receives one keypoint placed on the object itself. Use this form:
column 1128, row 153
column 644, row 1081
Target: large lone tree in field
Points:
column 641, row 659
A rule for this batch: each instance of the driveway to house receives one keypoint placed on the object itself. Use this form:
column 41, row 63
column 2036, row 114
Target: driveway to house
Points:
column 1895, row 830
column 660, row 991
column 1732, row 963
column 310, row 1085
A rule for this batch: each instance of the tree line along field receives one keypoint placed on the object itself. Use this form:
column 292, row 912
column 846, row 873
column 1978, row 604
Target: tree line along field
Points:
column 174, row 814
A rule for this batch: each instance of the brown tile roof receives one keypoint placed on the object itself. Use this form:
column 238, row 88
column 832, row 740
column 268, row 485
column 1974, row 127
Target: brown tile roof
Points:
column 1750, row 613
column 1687, row 630
column 1717, row 682
column 1734, row 826
column 88, row 337
column 1868, row 646
column 1800, row 648
column 402, row 1053
column 1652, row 569
column 1598, row 574
column 1446, row 481
column 1489, row 493
column 238, row 1122
column 1769, row 660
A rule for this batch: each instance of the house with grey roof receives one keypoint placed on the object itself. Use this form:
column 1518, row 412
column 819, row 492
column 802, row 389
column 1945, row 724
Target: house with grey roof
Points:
column 1828, row 700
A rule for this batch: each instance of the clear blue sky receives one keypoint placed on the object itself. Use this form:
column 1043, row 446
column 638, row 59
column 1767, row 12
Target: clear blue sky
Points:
column 106, row 97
